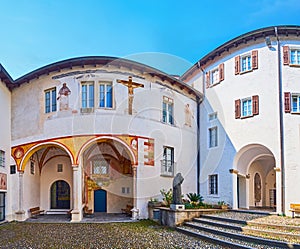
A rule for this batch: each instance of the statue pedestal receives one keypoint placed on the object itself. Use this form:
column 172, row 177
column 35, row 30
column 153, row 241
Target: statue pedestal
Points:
column 177, row 207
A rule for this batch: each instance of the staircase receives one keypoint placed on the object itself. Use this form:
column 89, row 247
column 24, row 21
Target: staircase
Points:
column 236, row 229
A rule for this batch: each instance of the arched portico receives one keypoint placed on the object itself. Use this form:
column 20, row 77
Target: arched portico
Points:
column 255, row 184
column 107, row 165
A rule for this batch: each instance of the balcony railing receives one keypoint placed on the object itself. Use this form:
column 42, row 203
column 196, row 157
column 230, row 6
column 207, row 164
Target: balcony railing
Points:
column 167, row 168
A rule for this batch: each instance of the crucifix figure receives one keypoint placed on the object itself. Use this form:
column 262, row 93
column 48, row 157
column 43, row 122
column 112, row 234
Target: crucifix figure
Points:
column 131, row 86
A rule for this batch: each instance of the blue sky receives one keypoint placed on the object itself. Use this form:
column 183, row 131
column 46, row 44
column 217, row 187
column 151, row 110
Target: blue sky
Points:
column 169, row 35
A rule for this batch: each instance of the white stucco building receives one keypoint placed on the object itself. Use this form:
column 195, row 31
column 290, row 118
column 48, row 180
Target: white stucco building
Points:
column 249, row 122
column 98, row 134
column 95, row 134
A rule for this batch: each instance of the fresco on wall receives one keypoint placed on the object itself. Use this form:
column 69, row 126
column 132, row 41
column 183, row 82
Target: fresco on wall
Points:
column 3, row 181
column 63, row 97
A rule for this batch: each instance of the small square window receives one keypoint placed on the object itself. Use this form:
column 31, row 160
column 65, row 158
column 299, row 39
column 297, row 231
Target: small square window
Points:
column 212, row 116
column 59, row 167
column 12, row 169
column 2, row 158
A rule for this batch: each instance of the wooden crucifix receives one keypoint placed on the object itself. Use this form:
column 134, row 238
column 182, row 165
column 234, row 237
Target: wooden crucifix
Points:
column 131, row 86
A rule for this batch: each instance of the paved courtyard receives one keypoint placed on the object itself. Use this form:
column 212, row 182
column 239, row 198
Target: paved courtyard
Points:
column 42, row 233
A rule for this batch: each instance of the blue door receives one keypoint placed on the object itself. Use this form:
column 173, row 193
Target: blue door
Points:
column 100, row 200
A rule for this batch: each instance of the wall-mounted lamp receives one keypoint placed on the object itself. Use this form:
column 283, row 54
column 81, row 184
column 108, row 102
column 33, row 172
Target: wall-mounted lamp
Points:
column 268, row 42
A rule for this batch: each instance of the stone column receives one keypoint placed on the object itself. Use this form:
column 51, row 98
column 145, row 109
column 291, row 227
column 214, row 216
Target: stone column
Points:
column 234, row 174
column 278, row 191
column 247, row 190
column 135, row 210
column 77, row 194
column 20, row 214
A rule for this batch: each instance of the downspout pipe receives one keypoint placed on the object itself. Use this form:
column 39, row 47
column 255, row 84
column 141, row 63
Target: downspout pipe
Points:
column 281, row 130
column 198, row 144
column 198, row 131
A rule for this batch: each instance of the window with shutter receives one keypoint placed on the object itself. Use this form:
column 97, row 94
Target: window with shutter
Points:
column 255, row 105
column 237, row 65
column 237, row 108
column 254, row 59
column 286, row 55
column 287, row 102
column 207, row 79
column 221, row 72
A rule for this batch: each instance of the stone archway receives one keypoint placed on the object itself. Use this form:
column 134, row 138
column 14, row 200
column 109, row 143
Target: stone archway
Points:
column 60, row 195
column 107, row 166
column 256, row 178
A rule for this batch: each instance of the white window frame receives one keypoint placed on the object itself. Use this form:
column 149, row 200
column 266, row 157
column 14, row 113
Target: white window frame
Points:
column 167, row 163
column 60, row 167
column 213, row 184
column 106, row 84
column 212, row 116
column 248, row 110
column 214, row 76
column 168, row 111
column 89, row 103
column 51, row 102
column 103, row 167
column 247, row 61
column 293, row 97
column 297, row 56
column 213, row 137
column 2, row 158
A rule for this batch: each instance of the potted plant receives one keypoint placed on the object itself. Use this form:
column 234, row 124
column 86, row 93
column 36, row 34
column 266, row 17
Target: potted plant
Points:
column 154, row 203
column 222, row 205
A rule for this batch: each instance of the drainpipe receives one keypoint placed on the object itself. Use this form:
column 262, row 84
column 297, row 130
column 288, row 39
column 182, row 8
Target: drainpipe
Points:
column 198, row 129
column 198, row 144
column 281, row 124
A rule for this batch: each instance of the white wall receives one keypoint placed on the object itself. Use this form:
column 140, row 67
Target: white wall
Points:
column 5, row 131
column 146, row 122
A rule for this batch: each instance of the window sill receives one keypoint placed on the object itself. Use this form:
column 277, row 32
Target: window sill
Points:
column 247, row 71
column 250, row 116
column 214, row 84
column 167, row 175
column 296, row 113
column 294, row 65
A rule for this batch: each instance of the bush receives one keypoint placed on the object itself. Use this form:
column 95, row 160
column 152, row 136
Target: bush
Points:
column 195, row 199
column 167, row 196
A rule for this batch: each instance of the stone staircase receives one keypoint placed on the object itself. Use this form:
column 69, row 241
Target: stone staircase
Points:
column 238, row 229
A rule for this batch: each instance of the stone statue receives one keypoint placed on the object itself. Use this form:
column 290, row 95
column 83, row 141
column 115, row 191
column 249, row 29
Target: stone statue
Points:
column 178, row 179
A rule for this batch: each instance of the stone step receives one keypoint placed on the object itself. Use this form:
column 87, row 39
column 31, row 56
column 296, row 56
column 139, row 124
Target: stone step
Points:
column 239, row 238
column 223, row 219
column 224, row 224
column 221, row 241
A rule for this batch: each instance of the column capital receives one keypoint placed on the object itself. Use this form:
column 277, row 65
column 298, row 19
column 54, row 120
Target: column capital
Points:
column 233, row 171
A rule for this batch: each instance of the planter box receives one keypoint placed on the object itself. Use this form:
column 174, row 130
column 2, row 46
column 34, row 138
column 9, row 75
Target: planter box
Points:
column 173, row 218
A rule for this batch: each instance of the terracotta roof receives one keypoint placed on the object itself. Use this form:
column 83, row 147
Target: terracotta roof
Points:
column 242, row 39
column 96, row 61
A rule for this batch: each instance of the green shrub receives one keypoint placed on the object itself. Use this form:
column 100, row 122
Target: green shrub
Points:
column 167, row 196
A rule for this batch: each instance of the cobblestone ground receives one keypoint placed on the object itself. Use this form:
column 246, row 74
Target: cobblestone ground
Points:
column 142, row 234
